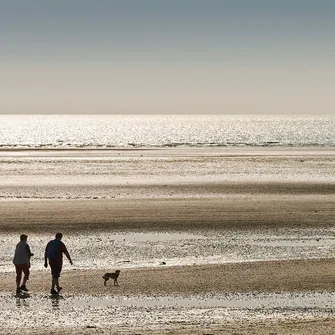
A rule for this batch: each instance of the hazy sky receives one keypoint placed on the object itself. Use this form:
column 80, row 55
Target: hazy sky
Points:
column 167, row 56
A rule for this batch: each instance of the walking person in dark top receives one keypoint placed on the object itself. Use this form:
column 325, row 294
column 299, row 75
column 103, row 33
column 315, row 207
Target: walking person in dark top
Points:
column 54, row 253
column 22, row 263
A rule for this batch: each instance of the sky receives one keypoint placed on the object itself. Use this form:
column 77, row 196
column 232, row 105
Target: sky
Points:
column 167, row 56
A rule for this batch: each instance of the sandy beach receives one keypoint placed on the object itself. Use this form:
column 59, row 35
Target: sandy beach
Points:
column 249, row 254
column 187, row 287
column 203, row 283
column 236, row 211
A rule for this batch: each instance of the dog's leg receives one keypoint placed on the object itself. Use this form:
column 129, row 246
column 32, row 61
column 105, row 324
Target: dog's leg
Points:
column 105, row 281
column 115, row 282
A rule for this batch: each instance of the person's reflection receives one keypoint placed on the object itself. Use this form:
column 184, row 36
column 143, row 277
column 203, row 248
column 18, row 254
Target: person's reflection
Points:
column 55, row 298
column 21, row 300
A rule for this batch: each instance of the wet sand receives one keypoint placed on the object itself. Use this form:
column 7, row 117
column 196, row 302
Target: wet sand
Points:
column 203, row 284
column 46, row 202
column 268, row 276
column 241, row 211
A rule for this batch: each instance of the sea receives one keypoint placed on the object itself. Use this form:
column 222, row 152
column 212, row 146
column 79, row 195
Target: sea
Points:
column 160, row 131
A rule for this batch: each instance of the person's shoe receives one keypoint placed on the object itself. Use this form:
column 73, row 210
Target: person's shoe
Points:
column 18, row 290
column 24, row 288
column 59, row 288
column 53, row 291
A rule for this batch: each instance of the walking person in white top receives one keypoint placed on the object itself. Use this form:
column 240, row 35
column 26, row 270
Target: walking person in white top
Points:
column 22, row 263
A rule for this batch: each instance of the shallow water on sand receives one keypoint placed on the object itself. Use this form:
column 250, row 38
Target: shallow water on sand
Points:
column 107, row 312
column 108, row 250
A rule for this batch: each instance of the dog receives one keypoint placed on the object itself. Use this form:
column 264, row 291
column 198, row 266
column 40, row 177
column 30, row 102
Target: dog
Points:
column 113, row 275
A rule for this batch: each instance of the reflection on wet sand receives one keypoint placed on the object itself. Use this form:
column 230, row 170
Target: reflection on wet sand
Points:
column 85, row 310
column 21, row 299
column 55, row 299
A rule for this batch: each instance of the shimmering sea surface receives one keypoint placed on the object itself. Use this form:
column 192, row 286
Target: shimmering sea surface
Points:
column 109, row 131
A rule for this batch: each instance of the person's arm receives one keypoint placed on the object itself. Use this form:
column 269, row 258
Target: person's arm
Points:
column 66, row 253
column 46, row 256
column 28, row 251
column 68, row 257
column 14, row 258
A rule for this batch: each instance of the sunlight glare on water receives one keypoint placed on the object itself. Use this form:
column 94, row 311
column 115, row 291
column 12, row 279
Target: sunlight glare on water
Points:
column 108, row 131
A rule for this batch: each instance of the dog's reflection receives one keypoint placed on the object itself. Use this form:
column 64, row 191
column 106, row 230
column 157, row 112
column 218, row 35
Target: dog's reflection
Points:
column 55, row 298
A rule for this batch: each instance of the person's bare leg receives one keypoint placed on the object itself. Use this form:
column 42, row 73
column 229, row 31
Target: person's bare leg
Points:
column 18, row 280
column 23, row 286
column 57, row 285
column 54, row 283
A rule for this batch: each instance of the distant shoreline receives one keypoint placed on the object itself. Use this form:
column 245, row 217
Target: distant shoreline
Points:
column 176, row 150
column 75, row 149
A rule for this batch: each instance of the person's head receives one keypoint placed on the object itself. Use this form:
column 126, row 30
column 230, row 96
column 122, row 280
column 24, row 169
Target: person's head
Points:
column 59, row 236
column 23, row 237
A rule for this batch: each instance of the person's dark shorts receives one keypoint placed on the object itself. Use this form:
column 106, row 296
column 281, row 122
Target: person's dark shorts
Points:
column 56, row 269
column 22, row 268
